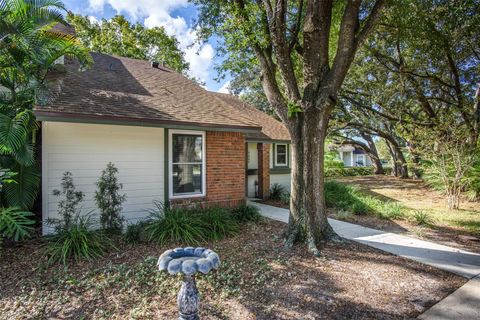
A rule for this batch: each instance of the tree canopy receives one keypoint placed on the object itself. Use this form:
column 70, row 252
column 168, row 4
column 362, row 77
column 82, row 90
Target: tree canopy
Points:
column 303, row 50
column 120, row 37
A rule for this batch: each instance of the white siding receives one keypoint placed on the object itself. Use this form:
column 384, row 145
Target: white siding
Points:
column 347, row 158
column 85, row 150
column 283, row 179
column 252, row 156
column 251, row 185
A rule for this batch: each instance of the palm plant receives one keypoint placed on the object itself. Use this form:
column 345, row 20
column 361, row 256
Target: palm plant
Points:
column 28, row 50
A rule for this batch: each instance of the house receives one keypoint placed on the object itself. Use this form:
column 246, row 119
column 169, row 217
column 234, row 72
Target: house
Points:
column 353, row 156
column 171, row 140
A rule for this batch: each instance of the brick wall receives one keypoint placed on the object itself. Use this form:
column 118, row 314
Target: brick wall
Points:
column 225, row 174
column 263, row 170
column 225, row 168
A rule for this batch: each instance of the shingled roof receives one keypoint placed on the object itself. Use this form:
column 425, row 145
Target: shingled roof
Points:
column 123, row 90
column 272, row 129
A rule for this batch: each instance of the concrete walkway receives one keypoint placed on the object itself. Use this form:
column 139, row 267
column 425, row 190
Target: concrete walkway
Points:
column 462, row 304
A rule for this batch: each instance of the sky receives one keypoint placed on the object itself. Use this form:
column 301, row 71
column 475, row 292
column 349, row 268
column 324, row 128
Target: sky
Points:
column 176, row 16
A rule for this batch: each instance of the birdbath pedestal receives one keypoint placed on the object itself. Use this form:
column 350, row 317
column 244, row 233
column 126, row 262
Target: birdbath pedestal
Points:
column 188, row 261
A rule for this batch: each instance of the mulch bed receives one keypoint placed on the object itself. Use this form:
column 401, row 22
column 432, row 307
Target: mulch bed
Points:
column 258, row 279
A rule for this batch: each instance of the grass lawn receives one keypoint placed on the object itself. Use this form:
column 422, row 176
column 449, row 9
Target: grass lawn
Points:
column 257, row 280
column 422, row 211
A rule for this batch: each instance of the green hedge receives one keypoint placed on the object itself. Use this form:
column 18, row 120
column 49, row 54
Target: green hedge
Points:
column 345, row 172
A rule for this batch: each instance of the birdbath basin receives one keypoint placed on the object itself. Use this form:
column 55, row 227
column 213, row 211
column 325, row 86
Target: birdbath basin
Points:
column 188, row 261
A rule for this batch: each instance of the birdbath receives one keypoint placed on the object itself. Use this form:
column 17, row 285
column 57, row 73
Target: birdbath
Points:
column 188, row 261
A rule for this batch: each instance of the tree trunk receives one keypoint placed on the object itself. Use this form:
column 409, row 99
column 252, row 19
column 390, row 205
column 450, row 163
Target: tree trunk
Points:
column 399, row 167
column 453, row 201
column 308, row 217
column 395, row 169
column 415, row 160
column 377, row 164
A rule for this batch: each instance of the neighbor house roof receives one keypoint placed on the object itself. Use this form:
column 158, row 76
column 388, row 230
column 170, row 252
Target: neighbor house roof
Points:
column 63, row 29
column 272, row 129
column 123, row 90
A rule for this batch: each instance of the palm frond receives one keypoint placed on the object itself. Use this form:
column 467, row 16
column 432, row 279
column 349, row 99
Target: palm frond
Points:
column 24, row 192
column 13, row 132
column 15, row 224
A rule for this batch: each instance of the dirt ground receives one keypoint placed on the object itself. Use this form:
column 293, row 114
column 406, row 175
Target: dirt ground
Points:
column 457, row 228
column 258, row 279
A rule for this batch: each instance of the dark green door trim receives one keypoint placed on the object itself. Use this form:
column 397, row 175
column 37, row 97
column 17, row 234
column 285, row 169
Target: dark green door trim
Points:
column 166, row 167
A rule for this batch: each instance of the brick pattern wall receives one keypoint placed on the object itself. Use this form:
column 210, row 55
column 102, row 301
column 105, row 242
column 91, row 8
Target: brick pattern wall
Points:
column 225, row 152
column 225, row 168
column 263, row 170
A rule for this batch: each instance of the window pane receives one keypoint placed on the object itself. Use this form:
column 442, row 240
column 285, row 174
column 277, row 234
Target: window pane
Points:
column 281, row 149
column 187, row 178
column 281, row 158
column 186, row 148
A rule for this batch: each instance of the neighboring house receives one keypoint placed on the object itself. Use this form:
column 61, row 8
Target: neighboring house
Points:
column 171, row 140
column 353, row 156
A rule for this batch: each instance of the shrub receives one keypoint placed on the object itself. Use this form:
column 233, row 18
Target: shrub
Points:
column 69, row 206
column 77, row 241
column 276, row 191
column 359, row 207
column 177, row 225
column 135, row 232
column 218, row 223
column 343, row 214
column 391, row 210
column 421, row 217
column 340, row 195
column 15, row 224
column 347, row 172
column 246, row 213
column 109, row 200
column 285, row 198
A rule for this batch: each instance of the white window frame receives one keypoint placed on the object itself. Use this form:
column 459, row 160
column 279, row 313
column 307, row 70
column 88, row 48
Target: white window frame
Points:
column 286, row 155
column 170, row 164
column 364, row 158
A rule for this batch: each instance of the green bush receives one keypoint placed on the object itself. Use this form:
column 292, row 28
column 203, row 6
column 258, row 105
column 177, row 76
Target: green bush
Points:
column 15, row 224
column 218, row 223
column 276, row 191
column 169, row 224
column 340, row 195
column 421, row 217
column 285, row 198
column 391, row 210
column 77, row 241
column 135, row 232
column 69, row 206
column 109, row 200
column 343, row 214
column 348, row 171
column 246, row 213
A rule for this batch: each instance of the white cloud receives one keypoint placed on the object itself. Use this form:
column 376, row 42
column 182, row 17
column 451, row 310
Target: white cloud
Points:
column 158, row 13
column 93, row 19
column 225, row 88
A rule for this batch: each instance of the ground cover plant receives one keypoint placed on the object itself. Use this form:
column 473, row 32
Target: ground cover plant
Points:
column 191, row 225
column 258, row 279
column 78, row 241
